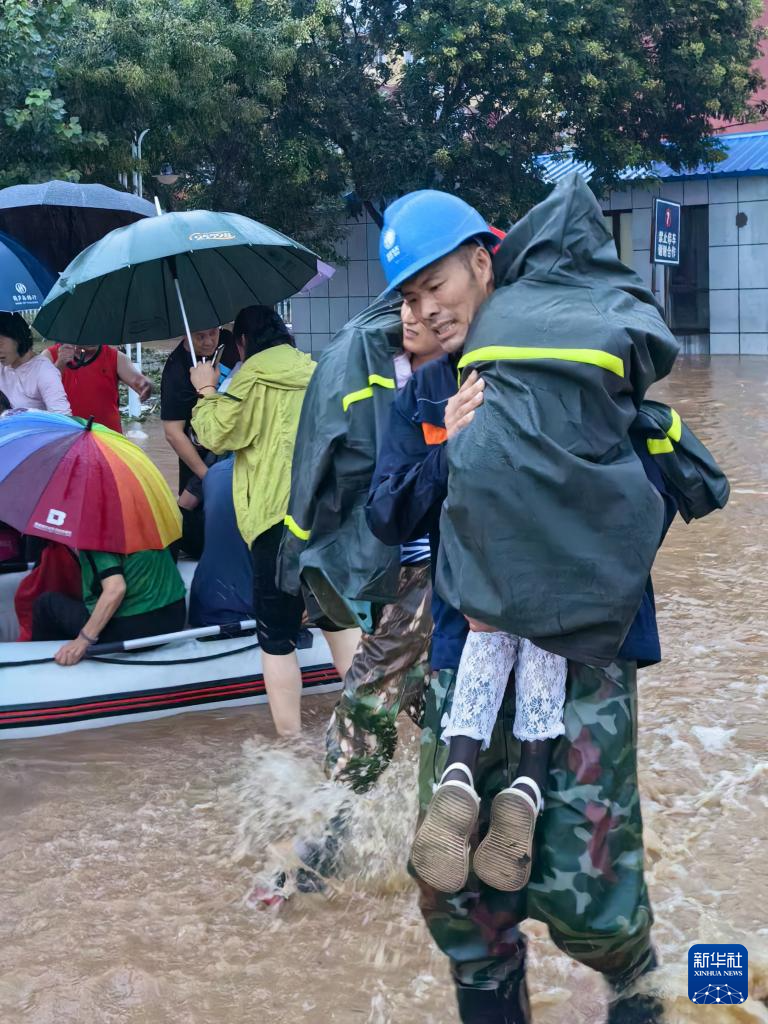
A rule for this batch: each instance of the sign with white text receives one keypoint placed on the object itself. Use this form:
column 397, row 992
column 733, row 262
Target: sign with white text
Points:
column 665, row 240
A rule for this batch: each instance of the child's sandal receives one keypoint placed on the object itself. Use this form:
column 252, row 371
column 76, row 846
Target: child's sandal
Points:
column 503, row 858
column 440, row 851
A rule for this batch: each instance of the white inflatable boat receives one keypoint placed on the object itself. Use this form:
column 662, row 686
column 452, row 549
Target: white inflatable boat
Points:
column 38, row 697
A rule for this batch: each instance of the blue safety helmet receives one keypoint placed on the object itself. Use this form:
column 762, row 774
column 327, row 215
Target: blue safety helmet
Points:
column 421, row 228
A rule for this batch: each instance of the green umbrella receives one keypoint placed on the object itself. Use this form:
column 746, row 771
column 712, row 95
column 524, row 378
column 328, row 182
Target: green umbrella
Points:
column 128, row 286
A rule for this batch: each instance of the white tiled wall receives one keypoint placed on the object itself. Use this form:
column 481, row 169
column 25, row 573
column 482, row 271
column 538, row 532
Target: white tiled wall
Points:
column 319, row 314
column 738, row 255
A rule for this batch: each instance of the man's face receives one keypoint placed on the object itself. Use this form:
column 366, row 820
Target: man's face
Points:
column 447, row 294
column 418, row 340
column 206, row 342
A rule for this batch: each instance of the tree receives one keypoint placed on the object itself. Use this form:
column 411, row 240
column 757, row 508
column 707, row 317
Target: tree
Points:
column 210, row 79
column 477, row 90
column 38, row 138
column 276, row 108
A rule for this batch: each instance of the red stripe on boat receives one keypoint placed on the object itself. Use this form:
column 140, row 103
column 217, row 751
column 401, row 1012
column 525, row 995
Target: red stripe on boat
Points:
column 168, row 698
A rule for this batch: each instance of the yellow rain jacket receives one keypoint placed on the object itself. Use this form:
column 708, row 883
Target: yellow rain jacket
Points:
column 257, row 419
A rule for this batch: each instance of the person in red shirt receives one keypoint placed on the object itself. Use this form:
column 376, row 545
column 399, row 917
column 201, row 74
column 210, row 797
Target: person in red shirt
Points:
column 90, row 376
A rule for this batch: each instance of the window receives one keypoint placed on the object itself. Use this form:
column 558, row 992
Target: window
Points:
column 285, row 311
column 689, row 282
column 620, row 226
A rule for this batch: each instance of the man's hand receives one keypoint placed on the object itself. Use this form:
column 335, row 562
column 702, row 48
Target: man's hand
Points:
column 72, row 652
column 143, row 387
column 66, row 355
column 460, row 410
column 479, row 627
column 204, row 375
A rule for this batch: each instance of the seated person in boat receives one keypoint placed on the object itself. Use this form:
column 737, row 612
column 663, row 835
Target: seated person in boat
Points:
column 222, row 588
column 124, row 597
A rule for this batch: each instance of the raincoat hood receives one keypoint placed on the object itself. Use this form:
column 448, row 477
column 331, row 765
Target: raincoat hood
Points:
column 565, row 241
column 281, row 366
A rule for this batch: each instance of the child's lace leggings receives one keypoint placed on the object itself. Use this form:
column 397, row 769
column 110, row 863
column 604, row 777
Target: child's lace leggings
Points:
column 486, row 662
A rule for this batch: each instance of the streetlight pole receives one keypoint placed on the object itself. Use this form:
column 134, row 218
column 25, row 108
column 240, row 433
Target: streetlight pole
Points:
column 134, row 405
column 138, row 178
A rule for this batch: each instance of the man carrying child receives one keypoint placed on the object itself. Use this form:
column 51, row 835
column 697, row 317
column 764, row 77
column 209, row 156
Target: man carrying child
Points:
column 587, row 876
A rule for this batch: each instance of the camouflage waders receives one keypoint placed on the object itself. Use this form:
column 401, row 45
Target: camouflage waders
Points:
column 387, row 676
column 587, row 882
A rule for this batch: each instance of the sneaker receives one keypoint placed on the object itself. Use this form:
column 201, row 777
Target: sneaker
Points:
column 503, row 858
column 440, row 851
column 269, row 894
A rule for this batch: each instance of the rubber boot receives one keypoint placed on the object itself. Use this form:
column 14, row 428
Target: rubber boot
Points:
column 506, row 1005
column 324, row 855
column 639, row 1008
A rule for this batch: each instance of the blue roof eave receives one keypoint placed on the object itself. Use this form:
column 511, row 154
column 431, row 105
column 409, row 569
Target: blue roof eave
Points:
column 745, row 155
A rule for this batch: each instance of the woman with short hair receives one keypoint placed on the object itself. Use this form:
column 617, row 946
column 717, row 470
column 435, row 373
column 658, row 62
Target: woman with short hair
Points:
column 28, row 381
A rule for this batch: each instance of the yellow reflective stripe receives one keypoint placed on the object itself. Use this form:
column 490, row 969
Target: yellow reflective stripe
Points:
column 358, row 396
column 594, row 356
column 676, row 430
column 295, row 529
column 662, row 446
column 383, row 382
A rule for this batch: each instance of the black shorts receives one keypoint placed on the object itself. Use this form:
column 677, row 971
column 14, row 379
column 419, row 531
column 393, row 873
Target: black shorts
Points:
column 278, row 615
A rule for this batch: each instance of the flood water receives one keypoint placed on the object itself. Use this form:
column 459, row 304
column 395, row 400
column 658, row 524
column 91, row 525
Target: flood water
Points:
column 127, row 854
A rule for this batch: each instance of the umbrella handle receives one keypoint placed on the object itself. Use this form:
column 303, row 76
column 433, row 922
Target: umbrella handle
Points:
column 184, row 314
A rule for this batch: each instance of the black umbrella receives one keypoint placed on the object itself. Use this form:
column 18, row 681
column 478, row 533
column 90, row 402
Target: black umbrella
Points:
column 58, row 219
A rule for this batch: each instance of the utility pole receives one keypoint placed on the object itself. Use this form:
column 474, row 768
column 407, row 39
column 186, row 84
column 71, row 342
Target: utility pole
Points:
column 138, row 178
column 134, row 405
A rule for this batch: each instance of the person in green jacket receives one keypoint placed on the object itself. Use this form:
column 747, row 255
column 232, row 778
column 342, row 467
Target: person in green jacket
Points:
column 257, row 418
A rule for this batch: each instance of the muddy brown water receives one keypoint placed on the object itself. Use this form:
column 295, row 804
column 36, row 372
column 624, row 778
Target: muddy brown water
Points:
column 127, row 854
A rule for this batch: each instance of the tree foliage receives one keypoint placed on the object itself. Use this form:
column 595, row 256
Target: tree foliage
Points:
column 479, row 89
column 209, row 79
column 38, row 137
column 276, row 108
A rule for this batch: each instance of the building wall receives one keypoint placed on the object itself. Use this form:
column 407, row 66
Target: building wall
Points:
column 738, row 265
column 738, row 253
column 761, row 65
column 318, row 315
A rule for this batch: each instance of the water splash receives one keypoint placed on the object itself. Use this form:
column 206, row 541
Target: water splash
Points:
column 283, row 799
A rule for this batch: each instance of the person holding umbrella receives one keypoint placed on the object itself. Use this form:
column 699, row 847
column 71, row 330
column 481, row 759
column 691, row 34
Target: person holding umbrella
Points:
column 27, row 380
column 257, row 418
column 177, row 400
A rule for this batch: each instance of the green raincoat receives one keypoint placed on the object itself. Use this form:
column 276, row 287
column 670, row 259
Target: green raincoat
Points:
column 551, row 526
column 327, row 546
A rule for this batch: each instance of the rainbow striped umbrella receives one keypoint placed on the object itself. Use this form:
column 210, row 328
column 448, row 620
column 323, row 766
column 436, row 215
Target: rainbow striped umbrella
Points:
column 82, row 485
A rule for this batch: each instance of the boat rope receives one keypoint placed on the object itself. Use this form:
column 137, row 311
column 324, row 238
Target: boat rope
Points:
column 133, row 661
